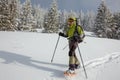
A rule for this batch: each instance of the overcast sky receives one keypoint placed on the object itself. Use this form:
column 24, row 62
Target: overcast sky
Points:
column 77, row 5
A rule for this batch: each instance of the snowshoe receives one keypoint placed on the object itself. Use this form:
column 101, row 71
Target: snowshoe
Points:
column 69, row 72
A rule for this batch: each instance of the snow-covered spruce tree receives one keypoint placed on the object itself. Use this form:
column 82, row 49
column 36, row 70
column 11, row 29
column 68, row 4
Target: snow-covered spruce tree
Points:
column 26, row 17
column 4, row 12
column 85, row 22
column 89, row 19
column 39, row 14
column 63, row 15
column 13, row 13
column 104, row 24
column 18, row 15
column 51, row 21
column 81, row 16
column 117, row 21
column 8, row 11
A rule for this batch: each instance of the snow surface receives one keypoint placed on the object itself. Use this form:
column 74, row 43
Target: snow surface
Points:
column 27, row 56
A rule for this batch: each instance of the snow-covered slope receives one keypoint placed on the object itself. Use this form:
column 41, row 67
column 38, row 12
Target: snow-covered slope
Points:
column 27, row 56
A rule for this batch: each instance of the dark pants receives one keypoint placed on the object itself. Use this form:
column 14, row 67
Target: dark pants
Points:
column 72, row 55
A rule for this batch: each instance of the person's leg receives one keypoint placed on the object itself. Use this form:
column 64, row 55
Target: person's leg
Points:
column 71, row 62
column 77, row 63
column 72, row 59
column 76, row 60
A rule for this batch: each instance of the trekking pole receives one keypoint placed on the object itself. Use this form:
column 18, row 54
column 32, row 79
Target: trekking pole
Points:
column 82, row 61
column 55, row 49
column 65, row 46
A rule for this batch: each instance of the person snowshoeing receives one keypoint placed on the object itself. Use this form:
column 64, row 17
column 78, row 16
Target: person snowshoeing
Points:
column 73, row 41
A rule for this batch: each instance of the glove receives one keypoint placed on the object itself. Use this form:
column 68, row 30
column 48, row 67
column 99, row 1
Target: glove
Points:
column 77, row 39
column 61, row 34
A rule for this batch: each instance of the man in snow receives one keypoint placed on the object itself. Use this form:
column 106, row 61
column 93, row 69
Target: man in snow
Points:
column 75, row 35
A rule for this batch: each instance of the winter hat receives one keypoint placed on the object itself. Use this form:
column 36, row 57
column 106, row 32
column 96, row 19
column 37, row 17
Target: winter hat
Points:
column 71, row 19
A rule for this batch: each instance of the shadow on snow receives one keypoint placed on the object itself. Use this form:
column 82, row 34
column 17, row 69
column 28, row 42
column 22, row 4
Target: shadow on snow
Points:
column 25, row 60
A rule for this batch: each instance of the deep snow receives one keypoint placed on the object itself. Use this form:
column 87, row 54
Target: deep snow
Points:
column 27, row 56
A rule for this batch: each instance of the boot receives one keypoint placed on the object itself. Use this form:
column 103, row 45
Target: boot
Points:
column 77, row 66
column 69, row 71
